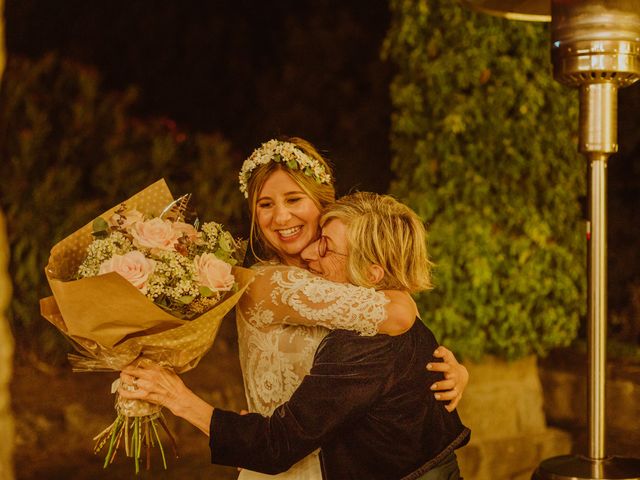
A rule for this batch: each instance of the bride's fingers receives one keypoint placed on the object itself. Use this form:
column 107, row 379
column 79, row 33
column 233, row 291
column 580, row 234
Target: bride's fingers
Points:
column 149, row 367
column 445, row 354
column 141, row 390
column 131, row 393
column 127, row 382
column 130, row 372
column 451, row 406
column 446, row 396
column 132, row 381
column 443, row 385
column 140, row 373
column 126, row 378
column 438, row 367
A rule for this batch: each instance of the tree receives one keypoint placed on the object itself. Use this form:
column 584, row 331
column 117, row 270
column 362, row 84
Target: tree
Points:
column 484, row 149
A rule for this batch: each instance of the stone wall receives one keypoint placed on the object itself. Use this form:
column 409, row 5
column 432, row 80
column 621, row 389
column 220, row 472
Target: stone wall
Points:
column 503, row 406
column 6, row 356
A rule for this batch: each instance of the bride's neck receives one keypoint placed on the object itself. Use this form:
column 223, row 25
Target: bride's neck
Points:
column 292, row 261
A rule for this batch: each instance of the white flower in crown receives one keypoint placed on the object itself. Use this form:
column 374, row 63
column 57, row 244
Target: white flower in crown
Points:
column 282, row 152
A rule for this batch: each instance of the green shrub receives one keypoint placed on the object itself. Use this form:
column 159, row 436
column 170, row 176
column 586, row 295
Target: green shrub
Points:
column 70, row 151
column 484, row 145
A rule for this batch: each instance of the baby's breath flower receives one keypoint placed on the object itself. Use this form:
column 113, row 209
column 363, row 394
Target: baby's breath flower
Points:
column 211, row 232
column 101, row 250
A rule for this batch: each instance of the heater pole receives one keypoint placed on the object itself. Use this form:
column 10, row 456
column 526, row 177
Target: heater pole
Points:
column 597, row 307
column 598, row 139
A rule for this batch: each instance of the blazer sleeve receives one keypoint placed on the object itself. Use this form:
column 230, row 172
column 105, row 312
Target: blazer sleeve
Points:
column 349, row 373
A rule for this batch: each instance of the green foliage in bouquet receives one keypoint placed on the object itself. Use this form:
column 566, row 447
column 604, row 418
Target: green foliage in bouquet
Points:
column 69, row 150
column 484, row 145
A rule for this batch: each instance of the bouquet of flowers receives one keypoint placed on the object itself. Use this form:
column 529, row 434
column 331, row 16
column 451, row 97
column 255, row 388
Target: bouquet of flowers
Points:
column 141, row 284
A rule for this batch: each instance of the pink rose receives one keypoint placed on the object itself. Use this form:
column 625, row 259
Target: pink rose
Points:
column 133, row 266
column 186, row 229
column 126, row 219
column 155, row 233
column 213, row 273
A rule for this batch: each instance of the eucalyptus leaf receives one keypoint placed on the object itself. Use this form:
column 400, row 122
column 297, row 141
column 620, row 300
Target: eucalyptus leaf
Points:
column 224, row 255
column 205, row 291
column 225, row 242
column 100, row 225
column 186, row 299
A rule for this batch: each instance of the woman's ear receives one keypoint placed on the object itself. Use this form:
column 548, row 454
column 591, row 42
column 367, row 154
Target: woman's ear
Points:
column 375, row 274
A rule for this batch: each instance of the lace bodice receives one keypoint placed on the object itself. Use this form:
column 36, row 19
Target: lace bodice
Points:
column 283, row 316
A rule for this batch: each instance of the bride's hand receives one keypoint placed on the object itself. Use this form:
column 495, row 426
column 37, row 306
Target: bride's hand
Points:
column 161, row 386
column 455, row 380
column 153, row 384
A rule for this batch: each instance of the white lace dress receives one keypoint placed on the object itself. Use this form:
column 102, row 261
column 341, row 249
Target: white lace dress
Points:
column 282, row 318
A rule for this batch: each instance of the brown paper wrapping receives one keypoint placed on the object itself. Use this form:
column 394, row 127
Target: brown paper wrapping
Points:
column 176, row 343
column 110, row 322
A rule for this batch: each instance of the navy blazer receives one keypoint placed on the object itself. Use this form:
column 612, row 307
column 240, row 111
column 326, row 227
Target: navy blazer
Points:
column 366, row 403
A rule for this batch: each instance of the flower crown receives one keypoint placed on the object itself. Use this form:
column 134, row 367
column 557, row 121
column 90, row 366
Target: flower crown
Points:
column 282, row 152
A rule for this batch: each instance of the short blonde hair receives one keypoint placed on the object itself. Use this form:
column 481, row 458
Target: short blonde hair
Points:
column 384, row 232
column 320, row 193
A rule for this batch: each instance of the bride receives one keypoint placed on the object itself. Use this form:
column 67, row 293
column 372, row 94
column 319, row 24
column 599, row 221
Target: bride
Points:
column 286, row 312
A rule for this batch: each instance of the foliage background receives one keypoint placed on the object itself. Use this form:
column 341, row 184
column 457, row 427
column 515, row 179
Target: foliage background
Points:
column 70, row 151
column 484, row 150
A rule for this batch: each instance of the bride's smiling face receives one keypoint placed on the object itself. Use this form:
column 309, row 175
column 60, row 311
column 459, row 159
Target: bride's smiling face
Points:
column 287, row 216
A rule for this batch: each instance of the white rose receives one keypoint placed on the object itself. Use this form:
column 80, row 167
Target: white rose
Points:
column 133, row 266
column 213, row 273
column 155, row 233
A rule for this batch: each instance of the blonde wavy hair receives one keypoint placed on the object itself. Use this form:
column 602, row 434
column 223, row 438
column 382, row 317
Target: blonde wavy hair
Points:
column 321, row 194
column 382, row 231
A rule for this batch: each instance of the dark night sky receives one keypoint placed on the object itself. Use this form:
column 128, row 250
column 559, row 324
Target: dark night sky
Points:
column 248, row 69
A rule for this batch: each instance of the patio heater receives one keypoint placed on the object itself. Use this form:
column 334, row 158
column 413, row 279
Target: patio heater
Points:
column 595, row 47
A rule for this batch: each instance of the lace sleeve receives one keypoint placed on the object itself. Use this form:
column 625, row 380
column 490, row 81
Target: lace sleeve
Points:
column 281, row 294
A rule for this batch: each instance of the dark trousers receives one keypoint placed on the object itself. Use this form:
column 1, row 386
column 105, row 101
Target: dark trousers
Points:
column 447, row 470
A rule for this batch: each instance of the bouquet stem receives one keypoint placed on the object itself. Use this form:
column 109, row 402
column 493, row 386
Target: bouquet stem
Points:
column 155, row 431
column 174, row 445
column 138, row 432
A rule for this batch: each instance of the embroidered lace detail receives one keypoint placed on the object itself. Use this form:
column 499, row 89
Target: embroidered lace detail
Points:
column 281, row 320
column 334, row 305
column 274, row 361
column 260, row 316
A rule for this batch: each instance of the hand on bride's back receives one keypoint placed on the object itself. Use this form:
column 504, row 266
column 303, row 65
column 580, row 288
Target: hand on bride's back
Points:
column 456, row 377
